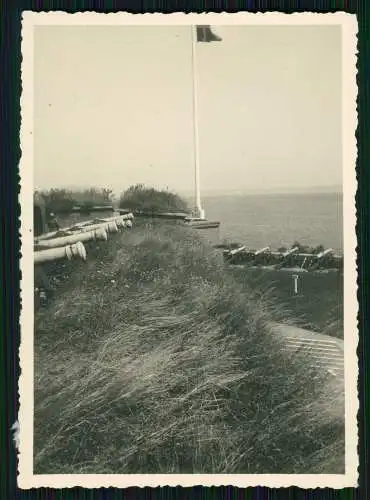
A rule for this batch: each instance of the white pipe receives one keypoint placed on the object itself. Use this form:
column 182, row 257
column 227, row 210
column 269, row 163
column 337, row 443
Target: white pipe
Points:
column 198, row 204
column 125, row 215
column 237, row 250
column 128, row 216
column 97, row 220
column 53, row 234
column 69, row 252
column 110, row 227
column 261, row 250
column 289, row 252
column 119, row 219
column 325, row 252
column 97, row 234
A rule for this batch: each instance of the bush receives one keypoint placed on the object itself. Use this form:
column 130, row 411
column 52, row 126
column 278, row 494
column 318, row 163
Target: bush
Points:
column 141, row 198
column 63, row 200
column 93, row 196
column 152, row 359
column 86, row 207
column 307, row 249
column 58, row 200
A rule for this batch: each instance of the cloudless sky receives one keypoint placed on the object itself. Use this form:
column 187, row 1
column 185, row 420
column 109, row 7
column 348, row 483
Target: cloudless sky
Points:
column 113, row 107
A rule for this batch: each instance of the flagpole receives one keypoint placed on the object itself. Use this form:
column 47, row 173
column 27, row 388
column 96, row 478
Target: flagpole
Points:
column 198, row 203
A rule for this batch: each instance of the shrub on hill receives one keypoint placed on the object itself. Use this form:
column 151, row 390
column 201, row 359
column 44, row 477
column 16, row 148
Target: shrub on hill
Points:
column 152, row 359
column 58, row 200
column 93, row 196
column 307, row 249
column 146, row 199
column 63, row 200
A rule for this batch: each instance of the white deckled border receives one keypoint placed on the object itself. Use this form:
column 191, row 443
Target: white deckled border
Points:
column 26, row 478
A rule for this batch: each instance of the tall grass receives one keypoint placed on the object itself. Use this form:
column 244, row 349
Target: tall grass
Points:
column 152, row 359
column 317, row 307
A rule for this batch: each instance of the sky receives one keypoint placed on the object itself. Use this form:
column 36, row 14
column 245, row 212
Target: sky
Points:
column 113, row 107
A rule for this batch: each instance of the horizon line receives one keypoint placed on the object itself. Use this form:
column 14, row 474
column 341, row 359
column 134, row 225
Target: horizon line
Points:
column 335, row 188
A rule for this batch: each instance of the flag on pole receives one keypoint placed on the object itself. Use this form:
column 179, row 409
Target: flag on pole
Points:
column 205, row 34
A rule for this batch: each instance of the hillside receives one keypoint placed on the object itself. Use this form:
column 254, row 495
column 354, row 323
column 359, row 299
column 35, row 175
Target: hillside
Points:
column 151, row 358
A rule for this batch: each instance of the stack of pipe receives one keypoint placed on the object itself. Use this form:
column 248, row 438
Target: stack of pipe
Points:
column 326, row 259
column 68, row 242
column 111, row 224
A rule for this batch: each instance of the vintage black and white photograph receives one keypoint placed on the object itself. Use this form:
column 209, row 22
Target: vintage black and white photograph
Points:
column 188, row 268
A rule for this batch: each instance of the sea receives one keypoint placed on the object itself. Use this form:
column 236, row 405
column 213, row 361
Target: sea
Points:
column 278, row 220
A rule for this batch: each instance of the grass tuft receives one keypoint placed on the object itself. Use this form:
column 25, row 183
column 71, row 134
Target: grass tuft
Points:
column 153, row 359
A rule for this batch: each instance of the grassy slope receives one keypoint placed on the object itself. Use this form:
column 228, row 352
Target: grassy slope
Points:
column 317, row 307
column 152, row 359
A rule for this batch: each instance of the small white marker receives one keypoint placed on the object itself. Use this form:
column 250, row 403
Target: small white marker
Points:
column 295, row 279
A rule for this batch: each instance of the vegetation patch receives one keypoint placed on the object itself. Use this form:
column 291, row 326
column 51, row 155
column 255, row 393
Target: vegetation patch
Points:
column 152, row 358
column 141, row 198
column 62, row 201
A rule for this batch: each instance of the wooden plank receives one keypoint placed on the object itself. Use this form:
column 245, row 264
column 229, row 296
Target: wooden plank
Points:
column 205, row 225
